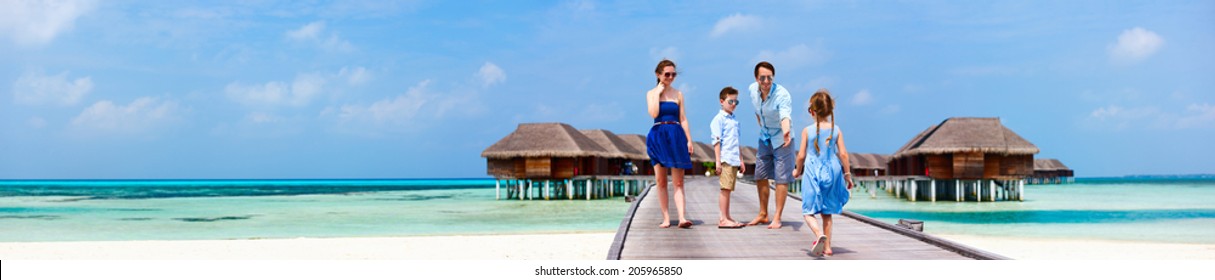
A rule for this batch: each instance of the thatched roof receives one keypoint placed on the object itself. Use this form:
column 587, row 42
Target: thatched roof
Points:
column 747, row 153
column 954, row 135
column 544, row 140
column 702, row 152
column 868, row 161
column 615, row 145
column 1049, row 164
column 637, row 141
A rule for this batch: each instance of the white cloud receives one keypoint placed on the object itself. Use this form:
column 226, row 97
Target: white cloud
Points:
column 32, row 22
column 335, row 44
column 262, row 118
column 355, row 76
column 686, row 89
column 275, row 93
column 1134, row 45
column 142, row 114
column 735, row 22
column 1197, row 115
column 36, row 122
column 36, row 89
column 862, row 98
column 314, row 32
column 671, row 53
column 891, row 109
column 310, row 31
column 490, row 74
column 397, row 110
column 794, row 57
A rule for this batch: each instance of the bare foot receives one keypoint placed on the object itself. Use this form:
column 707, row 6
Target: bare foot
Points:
column 758, row 220
column 828, row 252
column 685, row 224
column 774, row 225
column 729, row 224
column 665, row 224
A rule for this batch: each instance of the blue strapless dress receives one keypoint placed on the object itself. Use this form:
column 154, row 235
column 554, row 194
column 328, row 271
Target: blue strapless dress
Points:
column 667, row 144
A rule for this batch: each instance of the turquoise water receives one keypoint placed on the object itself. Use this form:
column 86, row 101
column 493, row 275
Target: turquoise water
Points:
column 193, row 209
column 1157, row 210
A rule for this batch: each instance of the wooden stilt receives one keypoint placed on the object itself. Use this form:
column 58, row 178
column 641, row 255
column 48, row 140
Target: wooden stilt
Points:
column 932, row 186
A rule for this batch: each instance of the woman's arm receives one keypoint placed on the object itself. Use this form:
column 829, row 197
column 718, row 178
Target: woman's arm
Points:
column 683, row 120
column 651, row 100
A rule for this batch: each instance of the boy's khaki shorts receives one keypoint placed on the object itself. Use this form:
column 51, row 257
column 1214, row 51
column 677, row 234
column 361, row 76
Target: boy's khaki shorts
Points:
column 729, row 174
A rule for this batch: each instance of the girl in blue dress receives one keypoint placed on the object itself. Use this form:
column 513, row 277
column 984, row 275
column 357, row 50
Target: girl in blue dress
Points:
column 668, row 144
column 825, row 188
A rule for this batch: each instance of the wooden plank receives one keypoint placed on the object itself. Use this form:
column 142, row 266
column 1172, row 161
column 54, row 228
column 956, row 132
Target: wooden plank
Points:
column 539, row 167
column 853, row 238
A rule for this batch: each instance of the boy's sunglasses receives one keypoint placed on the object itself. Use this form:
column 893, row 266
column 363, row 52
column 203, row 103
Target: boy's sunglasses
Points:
column 732, row 101
column 765, row 78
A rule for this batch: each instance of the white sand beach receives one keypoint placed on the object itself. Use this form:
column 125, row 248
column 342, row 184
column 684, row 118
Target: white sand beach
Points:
column 559, row 246
column 567, row 246
column 1070, row 249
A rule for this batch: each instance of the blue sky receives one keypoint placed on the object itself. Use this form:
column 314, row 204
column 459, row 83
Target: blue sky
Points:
column 417, row 89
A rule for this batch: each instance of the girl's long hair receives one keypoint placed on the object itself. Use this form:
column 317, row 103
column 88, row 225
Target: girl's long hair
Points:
column 823, row 106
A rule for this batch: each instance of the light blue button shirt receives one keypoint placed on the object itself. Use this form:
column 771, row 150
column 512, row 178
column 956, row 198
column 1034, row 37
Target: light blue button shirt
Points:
column 725, row 132
column 779, row 106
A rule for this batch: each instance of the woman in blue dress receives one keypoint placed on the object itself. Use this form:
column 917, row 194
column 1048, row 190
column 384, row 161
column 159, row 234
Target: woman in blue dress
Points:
column 668, row 144
column 825, row 188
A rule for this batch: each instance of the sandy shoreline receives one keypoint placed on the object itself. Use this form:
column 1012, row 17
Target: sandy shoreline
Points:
column 1068, row 249
column 558, row 246
column 566, row 246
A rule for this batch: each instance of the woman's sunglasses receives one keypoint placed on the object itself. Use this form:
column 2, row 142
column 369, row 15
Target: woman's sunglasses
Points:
column 670, row 74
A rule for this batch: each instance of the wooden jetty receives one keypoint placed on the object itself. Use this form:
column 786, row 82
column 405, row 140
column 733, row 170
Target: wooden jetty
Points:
column 855, row 237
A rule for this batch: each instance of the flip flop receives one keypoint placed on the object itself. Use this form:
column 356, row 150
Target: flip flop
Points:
column 819, row 246
column 687, row 224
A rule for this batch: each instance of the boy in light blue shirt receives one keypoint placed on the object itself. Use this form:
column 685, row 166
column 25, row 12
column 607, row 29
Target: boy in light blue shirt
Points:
column 726, row 150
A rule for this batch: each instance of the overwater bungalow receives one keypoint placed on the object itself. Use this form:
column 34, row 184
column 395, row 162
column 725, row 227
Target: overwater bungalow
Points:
column 747, row 153
column 1051, row 171
column 702, row 158
column 554, row 160
column 868, row 165
column 619, row 152
column 964, row 158
column 637, row 142
column 543, row 151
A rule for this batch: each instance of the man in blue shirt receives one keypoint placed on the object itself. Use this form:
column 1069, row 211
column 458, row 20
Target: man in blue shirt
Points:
column 774, row 159
column 726, row 150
